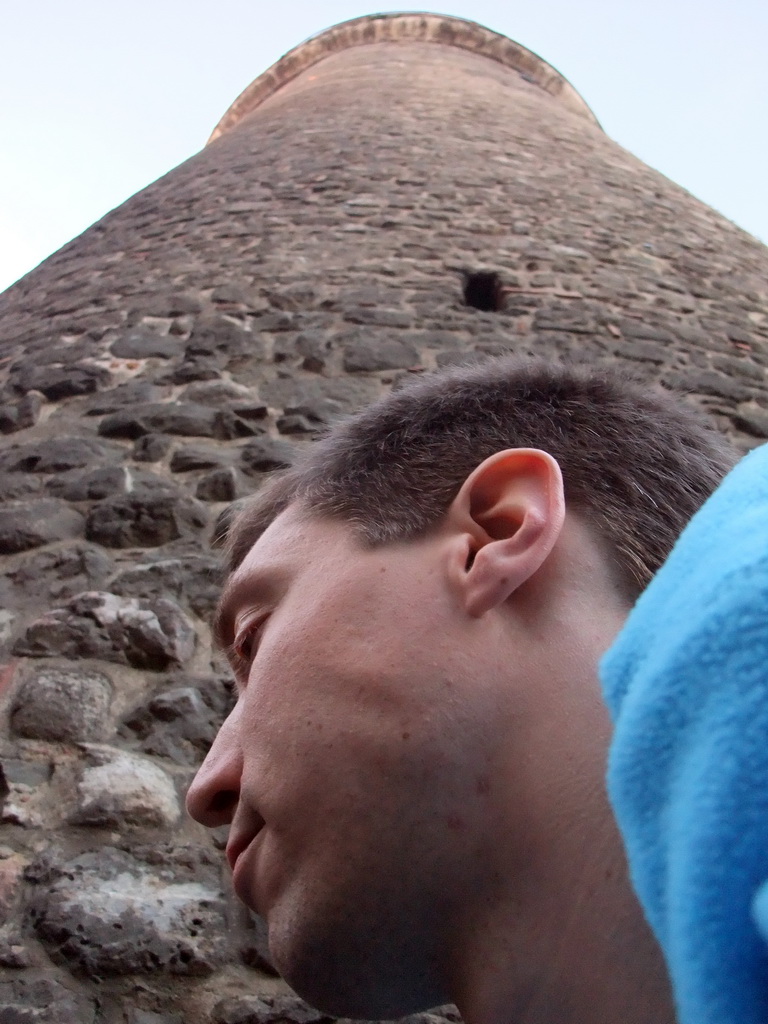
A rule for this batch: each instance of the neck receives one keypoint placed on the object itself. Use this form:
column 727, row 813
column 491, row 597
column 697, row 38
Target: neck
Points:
column 589, row 956
column 554, row 933
column 562, row 937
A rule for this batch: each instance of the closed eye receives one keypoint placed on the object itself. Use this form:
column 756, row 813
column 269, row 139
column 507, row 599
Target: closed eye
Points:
column 245, row 645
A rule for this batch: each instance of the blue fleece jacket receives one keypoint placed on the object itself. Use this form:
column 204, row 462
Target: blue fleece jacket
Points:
column 687, row 686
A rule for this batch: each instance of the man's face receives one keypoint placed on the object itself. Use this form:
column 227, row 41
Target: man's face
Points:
column 362, row 766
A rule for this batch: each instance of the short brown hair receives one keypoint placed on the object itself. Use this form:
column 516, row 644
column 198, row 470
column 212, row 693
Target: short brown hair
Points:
column 636, row 462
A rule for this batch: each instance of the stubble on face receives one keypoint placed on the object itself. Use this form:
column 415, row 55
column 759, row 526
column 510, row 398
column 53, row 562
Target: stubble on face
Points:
column 368, row 751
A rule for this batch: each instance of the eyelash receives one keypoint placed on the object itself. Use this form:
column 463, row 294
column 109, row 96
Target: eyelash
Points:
column 245, row 645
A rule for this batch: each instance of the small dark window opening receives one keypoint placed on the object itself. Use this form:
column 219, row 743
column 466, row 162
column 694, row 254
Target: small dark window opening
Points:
column 483, row 290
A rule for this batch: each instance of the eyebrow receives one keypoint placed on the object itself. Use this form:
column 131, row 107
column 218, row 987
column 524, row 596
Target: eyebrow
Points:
column 221, row 625
column 231, row 597
column 259, row 583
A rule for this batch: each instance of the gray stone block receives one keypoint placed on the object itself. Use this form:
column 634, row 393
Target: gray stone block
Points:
column 149, row 635
column 67, row 705
column 144, row 520
column 116, row 789
column 30, row 524
column 143, row 344
column 108, row 915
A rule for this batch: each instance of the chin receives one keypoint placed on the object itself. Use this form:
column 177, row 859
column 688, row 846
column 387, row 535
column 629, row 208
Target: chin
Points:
column 348, row 972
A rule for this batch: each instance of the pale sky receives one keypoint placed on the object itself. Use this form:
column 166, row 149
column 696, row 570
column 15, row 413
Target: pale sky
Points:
column 100, row 97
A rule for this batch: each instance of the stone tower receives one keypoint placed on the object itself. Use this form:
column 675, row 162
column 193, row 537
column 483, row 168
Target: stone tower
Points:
column 398, row 193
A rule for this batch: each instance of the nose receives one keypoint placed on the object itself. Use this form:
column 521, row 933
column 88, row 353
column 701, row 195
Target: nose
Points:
column 213, row 796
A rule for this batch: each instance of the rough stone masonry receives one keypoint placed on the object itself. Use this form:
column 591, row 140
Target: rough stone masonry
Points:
column 324, row 245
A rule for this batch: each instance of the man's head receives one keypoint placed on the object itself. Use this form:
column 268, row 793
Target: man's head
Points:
column 413, row 770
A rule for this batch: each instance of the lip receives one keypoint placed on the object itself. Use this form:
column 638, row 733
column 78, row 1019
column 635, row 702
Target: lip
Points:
column 247, row 873
column 239, row 841
column 235, row 847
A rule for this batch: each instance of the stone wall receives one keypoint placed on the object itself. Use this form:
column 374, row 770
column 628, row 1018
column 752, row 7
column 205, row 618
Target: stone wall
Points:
column 161, row 364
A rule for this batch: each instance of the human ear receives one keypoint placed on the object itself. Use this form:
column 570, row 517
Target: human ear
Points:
column 508, row 516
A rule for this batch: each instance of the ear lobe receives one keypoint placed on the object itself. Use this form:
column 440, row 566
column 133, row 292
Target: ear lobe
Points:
column 511, row 510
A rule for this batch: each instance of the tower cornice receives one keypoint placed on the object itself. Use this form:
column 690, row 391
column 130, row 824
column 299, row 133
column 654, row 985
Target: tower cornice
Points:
column 439, row 29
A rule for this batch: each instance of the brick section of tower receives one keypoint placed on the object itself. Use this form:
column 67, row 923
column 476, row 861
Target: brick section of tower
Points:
column 161, row 363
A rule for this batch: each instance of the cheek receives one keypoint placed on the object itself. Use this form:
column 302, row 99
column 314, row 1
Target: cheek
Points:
column 359, row 699
column 320, row 654
column 347, row 740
